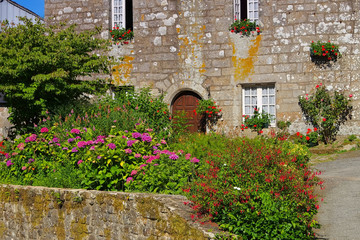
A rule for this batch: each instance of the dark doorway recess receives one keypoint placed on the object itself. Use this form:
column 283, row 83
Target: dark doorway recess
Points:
column 187, row 101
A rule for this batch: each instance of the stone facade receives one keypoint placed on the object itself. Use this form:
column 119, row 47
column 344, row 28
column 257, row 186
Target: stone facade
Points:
column 49, row 213
column 186, row 46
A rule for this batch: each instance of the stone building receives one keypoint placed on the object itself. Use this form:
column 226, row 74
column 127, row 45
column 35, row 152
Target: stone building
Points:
column 185, row 49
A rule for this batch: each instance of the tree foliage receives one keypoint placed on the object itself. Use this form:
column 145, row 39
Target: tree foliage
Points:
column 41, row 66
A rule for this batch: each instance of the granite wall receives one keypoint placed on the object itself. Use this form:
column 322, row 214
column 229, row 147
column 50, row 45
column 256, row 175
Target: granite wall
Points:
column 186, row 45
column 49, row 213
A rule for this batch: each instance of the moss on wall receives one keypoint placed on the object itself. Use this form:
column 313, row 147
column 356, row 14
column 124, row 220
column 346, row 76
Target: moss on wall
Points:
column 61, row 214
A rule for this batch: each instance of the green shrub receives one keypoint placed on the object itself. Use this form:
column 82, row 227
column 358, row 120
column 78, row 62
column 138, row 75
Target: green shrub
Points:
column 122, row 35
column 326, row 111
column 283, row 125
column 123, row 112
column 210, row 111
column 311, row 138
column 258, row 121
column 245, row 27
column 40, row 67
column 352, row 137
column 258, row 189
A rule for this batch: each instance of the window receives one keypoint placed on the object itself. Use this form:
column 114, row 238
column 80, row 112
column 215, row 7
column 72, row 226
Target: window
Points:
column 246, row 9
column 262, row 98
column 122, row 14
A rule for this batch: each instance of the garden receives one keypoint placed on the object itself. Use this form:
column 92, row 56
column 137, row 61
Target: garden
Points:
column 261, row 188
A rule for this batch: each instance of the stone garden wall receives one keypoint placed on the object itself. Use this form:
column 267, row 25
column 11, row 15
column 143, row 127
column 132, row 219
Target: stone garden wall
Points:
column 49, row 213
column 186, row 45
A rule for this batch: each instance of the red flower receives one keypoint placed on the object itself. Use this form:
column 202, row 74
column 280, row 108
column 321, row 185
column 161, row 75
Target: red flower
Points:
column 255, row 125
column 317, row 86
column 307, row 138
column 324, row 119
column 350, row 95
column 298, row 133
column 315, row 129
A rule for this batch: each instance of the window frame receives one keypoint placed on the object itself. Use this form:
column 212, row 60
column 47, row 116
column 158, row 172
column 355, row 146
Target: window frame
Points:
column 126, row 15
column 238, row 5
column 123, row 12
column 259, row 100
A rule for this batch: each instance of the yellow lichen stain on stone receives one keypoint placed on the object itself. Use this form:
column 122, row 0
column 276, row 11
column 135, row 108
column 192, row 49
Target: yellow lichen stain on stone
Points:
column 178, row 228
column 202, row 68
column 2, row 228
column 178, row 30
column 36, row 206
column 60, row 226
column 107, row 233
column 78, row 229
column 149, row 208
column 121, row 73
column 142, row 17
column 244, row 67
column 118, row 205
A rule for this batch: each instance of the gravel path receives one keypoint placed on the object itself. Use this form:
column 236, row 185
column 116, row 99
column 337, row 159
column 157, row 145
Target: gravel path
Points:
column 339, row 213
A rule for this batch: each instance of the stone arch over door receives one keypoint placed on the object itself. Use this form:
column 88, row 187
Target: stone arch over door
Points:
column 187, row 101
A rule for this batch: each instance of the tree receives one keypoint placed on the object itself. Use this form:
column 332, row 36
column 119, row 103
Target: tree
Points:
column 40, row 68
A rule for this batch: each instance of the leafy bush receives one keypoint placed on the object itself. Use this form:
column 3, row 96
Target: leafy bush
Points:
column 101, row 162
column 283, row 125
column 258, row 189
column 41, row 66
column 352, row 137
column 210, row 111
column 121, row 35
column 326, row 111
column 325, row 49
column 311, row 138
column 258, row 121
column 127, row 109
column 245, row 27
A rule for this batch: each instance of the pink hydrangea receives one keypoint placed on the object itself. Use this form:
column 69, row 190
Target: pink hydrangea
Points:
column 44, row 130
column 111, row 145
column 32, row 138
column 194, row 160
column 75, row 130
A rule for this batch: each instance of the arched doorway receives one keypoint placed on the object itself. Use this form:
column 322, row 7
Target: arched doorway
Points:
column 187, row 101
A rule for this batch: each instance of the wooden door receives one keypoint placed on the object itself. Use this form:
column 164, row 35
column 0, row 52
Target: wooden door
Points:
column 187, row 102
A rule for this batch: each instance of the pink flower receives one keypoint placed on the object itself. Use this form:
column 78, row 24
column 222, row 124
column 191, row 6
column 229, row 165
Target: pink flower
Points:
column 173, row 156
column 9, row 163
column 187, row 156
column 112, row 146
column 76, row 131
column 23, row 168
column 21, row 146
column 32, row 138
column 137, row 155
column 195, row 160
column 128, row 150
column 129, row 179
column 350, row 95
column 44, row 130
column 79, row 162
column 133, row 172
